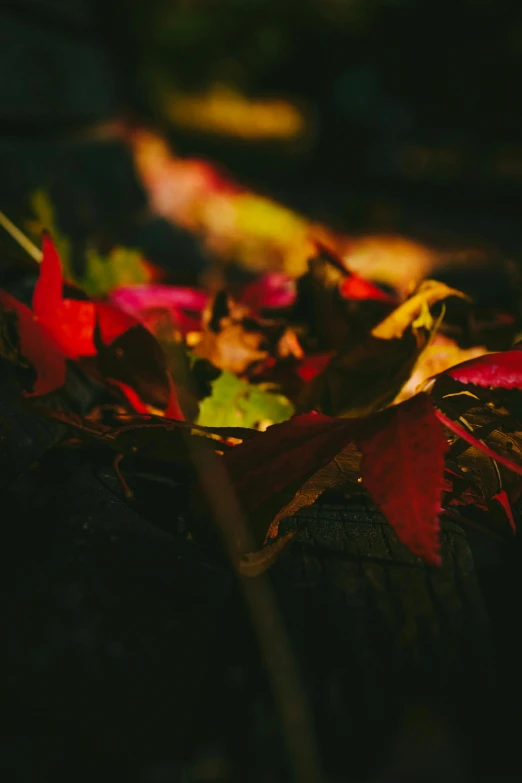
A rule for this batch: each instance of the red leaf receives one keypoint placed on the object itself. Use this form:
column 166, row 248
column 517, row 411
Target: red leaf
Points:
column 173, row 410
column 503, row 499
column 502, row 369
column 113, row 322
column 131, row 395
column 355, row 287
column 403, row 470
column 184, row 304
column 473, row 441
column 310, row 366
column 47, row 296
column 284, row 454
column 71, row 322
column 274, row 290
column 38, row 347
column 403, row 451
column 60, row 328
column 72, row 325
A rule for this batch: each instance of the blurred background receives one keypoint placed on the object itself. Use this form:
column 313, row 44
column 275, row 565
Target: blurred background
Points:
column 369, row 116
column 408, row 108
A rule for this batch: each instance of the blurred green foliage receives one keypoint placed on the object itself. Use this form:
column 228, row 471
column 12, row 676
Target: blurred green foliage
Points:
column 236, row 403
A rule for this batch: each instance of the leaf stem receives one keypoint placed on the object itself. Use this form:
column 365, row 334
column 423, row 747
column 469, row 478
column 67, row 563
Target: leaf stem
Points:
column 21, row 238
column 276, row 649
column 473, row 441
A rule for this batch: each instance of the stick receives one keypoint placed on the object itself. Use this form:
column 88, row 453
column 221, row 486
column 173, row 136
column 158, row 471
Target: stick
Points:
column 21, row 238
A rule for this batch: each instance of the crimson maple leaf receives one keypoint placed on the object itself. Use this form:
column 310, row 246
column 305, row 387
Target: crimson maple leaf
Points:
column 58, row 328
column 402, row 465
column 502, row 369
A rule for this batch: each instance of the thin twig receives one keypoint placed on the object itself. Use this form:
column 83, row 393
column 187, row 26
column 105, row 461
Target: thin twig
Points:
column 495, row 464
column 464, row 521
column 276, row 649
column 21, row 238
column 127, row 491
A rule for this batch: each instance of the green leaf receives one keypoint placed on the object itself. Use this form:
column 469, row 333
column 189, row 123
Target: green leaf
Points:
column 121, row 267
column 234, row 402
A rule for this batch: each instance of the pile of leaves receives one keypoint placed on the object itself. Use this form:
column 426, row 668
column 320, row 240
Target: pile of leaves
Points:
column 294, row 387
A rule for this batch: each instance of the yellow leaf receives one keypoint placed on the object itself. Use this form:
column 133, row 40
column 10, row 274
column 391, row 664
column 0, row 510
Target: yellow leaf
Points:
column 429, row 293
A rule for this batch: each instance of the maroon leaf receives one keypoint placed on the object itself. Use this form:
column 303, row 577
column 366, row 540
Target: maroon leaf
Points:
column 311, row 366
column 402, row 469
column 137, row 365
column 38, row 346
column 288, row 452
column 503, row 499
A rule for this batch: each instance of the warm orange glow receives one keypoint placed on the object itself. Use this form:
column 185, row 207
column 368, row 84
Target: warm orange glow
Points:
column 442, row 354
column 393, row 260
column 258, row 233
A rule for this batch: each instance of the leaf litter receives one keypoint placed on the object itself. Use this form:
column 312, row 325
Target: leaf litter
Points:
column 297, row 386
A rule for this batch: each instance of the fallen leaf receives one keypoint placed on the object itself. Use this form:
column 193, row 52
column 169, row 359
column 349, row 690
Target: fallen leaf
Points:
column 356, row 287
column 185, row 305
column 343, row 469
column 428, row 293
column 233, row 349
column 235, row 402
column 273, row 291
column 502, row 369
column 38, row 346
column 459, row 430
column 310, row 366
column 441, row 354
column 47, row 297
column 236, row 341
column 499, row 431
column 121, row 267
column 286, row 453
column 368, row 376
column 402, row 469
column 503, row 500
column 334, row 321
column 224, row 110
column 135, row 360
column 69, row 322
column 365, row 378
